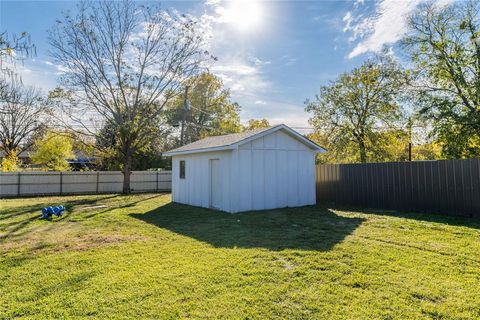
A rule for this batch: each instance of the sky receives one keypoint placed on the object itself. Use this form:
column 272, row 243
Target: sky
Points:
column 272, row 55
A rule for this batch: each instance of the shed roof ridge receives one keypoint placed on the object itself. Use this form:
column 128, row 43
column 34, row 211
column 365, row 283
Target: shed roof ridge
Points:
column 222, row 142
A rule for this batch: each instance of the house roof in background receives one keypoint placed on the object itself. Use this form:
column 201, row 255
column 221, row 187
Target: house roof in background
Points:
column 230, row 141
column 28, row 153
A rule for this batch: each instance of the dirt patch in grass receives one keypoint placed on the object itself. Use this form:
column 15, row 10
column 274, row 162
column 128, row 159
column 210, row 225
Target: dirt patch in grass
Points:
column 46, row 239
column 89, row 242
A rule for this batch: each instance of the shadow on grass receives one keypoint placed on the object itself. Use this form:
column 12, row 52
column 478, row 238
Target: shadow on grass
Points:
column 17, row 211
column 14, row 222
column 306, row 228
column 419, row 216
column 129, row 204
column 28, row 214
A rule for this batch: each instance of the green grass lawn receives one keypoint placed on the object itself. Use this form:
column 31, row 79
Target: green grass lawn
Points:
column 144, row 257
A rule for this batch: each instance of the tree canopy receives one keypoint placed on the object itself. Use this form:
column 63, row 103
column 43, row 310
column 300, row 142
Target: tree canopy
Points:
column 211, row 111
column 53, row 150
column 348, row 112
column 444, row 45
column 253, row 124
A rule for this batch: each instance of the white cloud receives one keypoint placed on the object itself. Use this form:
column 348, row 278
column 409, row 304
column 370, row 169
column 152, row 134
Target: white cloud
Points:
column 241, row 79
column 212, row 2
column 237, row 69
column 257, row 61
column 386, row 26
column 348, row 21
column 243, row 72
column 276, row 112
column 34, row 74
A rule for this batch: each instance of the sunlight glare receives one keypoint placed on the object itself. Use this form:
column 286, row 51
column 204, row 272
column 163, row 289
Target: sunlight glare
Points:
column 243, row 14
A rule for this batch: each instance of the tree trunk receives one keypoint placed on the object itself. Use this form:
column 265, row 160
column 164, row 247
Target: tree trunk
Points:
column 127, row 170
column 363, row 151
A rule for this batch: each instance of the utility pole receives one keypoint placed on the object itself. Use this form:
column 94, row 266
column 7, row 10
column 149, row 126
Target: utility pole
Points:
column 186, row 107
column 410, row 138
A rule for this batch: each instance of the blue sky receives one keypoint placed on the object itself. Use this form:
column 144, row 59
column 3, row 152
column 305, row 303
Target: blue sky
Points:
column 271, row 54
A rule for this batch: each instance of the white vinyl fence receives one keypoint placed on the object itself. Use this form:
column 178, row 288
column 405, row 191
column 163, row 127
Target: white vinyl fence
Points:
column 14, row 184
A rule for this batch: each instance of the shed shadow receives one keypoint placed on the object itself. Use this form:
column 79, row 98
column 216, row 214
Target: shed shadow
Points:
column 305, row 228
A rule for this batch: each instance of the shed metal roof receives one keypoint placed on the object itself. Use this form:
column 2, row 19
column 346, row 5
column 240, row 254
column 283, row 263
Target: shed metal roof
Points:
column 230, row 141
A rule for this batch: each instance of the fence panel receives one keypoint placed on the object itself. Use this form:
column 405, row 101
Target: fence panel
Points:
column 447, row 186
column 14, row 184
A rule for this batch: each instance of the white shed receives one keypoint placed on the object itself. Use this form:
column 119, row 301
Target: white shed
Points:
column 254, row 170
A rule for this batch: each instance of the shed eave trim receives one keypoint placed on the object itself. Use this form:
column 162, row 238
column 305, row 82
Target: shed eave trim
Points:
column 221, row 148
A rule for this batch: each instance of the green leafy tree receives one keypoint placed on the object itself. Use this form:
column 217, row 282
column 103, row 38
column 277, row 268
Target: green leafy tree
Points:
column 211, row 111
column 53, row 150
column 10, row 163
column 338, row 150
column 388, row 145
column 427, row 151
column 253, row 124
column 147, row 157
column 444, row 45
column 348, row 112
column 381, row 146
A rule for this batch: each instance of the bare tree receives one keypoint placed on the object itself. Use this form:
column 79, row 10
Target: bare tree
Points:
column 123, row 62
column 14, row 48
column 22, row 114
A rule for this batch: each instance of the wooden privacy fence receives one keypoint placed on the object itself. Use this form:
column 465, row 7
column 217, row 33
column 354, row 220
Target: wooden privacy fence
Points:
column 14, row 184
column 448, row 186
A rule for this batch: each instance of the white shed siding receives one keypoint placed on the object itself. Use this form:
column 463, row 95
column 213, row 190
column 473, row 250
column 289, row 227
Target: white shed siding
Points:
column 270, row 179
column 195, row 188
column 274, row 171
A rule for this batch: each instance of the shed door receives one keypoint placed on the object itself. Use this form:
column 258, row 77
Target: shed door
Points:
column 215, row 184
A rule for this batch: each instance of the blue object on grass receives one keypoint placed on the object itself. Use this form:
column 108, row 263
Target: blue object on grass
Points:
column 58, row 210
column 45, row 214
column 49, row 211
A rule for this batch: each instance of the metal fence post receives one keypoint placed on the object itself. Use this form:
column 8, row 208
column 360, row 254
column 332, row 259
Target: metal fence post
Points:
column 18, row 183
column 98, row 182
column 156, row 186
column 61, row 182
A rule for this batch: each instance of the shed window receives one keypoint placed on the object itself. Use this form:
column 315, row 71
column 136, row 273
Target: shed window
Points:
column 182, row 169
